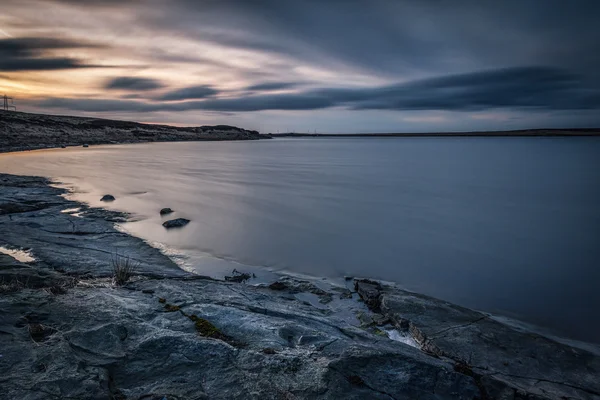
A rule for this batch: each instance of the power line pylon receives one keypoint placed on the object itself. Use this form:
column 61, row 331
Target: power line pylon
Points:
column 8, row 103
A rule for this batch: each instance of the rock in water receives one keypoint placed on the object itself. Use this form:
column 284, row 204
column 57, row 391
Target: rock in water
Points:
column 176, row 223
column 86, row 145
column 108, row 197
column 166, row 211
column 238, row 277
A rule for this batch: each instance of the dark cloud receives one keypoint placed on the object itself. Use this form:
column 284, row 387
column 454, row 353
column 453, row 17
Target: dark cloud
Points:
column 96, row 105
column 301, row 101
column 40, row 64
column 429, row 47
column 28, row 54
column 531, row 87
column 30, row 46
column 399, row 36
column 189, row 93
column 133, row 84
column 99, row 3
column 266, row 86
column 516, row 88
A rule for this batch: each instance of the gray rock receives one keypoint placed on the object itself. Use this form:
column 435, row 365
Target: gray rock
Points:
column 278, row 285
column 369, row 291
column 176, row 223
column 165, row 211
column 504, row 361
column 108, row 198
column 238, row 277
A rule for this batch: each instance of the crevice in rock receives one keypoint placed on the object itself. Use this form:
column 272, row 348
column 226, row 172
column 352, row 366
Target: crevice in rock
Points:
column 586, row 390
column 436, row 334
column 466, row 369
column 356, row 380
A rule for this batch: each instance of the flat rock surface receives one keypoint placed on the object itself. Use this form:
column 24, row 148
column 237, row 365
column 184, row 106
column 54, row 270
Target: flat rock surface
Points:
column 66, row 331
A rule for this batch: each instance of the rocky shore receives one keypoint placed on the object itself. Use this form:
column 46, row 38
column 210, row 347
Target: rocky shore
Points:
column 23, row 131
column 67, row 331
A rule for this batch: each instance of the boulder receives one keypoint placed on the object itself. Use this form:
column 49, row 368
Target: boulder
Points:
column 238, row 277
column 369, row 291
column 176, row 223
column 166, row 211
column 108, row 197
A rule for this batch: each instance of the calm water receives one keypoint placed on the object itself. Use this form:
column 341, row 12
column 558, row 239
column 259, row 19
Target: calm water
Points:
column 506, row 225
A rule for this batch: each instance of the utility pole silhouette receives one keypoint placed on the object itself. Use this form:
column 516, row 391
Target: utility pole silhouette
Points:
column 7, row 106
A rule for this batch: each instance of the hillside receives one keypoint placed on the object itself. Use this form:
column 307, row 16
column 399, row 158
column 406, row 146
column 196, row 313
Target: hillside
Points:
column 24, row 131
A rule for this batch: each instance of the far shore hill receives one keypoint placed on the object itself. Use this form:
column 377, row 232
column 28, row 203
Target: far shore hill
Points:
column 519, row 132
column 24, row 131
column 21, row 131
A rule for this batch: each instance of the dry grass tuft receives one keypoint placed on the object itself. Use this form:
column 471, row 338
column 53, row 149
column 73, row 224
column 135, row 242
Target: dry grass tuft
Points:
column 123, row 269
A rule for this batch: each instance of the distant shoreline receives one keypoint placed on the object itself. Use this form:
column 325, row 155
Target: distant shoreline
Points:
column 512, row 133
column 24, row 131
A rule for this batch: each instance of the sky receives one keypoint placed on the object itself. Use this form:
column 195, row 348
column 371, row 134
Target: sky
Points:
column 308, row 65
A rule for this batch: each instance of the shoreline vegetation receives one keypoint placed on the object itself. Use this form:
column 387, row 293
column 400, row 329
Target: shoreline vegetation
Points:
column 71, row 328
column 90, row 312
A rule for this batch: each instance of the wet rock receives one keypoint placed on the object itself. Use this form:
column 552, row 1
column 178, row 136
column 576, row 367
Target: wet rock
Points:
column 39, row 332
column 86, row 145
column 278, row 285
column 369, row 291
column 165, row 211
column 480, row 347
column 60, row 241
column 238, row 277
column 23, row 206
column 108, row 198
column 176, row 223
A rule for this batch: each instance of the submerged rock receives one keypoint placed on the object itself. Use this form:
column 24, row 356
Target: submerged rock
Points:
column 108, row 197
column 166, row 211
column 176, row 223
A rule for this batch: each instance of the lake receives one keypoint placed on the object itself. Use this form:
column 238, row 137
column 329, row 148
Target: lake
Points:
column 505, row 225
